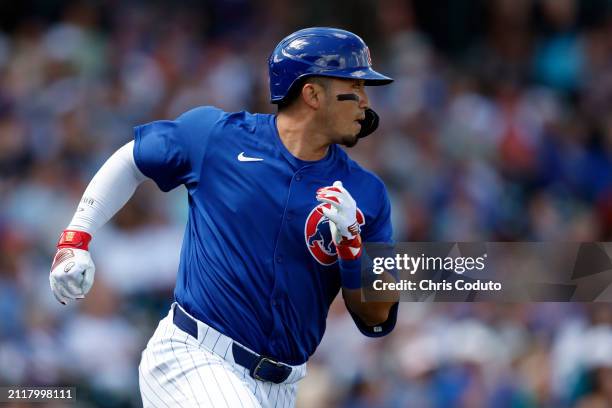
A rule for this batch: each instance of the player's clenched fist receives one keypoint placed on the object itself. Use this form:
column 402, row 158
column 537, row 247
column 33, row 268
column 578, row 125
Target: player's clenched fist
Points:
column 72, row 272
column 342, row 215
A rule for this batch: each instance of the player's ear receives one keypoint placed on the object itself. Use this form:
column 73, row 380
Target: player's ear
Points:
column 312, row 94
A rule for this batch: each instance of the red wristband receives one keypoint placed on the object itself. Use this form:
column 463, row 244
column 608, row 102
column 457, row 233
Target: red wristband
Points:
column 349, row 249
column 74, row 239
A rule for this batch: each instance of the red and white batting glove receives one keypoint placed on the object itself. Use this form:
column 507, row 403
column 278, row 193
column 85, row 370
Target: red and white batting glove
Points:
column 72, row 272
column 342, row 215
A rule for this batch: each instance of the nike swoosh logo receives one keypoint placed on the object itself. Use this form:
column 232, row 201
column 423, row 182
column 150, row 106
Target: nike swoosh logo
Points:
column 243, row 158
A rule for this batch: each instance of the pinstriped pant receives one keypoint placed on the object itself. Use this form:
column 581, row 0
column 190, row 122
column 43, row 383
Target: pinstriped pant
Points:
column 176, row 370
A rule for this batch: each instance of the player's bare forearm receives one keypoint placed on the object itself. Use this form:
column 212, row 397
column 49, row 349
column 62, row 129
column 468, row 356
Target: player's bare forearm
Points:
column 371, row 312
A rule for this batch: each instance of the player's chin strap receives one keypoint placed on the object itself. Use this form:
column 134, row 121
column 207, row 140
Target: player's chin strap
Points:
column 370, row 123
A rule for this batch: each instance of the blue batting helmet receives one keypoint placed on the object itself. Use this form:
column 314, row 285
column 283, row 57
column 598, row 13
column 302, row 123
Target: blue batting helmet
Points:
column 319, row 51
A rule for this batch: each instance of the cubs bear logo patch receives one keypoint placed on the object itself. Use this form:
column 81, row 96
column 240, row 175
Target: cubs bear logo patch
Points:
column 318, row 236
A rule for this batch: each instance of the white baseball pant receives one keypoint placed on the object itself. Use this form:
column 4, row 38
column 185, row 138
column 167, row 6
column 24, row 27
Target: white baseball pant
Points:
column 177, row 370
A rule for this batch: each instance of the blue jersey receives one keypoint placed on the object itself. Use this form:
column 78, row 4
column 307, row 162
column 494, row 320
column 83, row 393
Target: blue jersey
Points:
column 257, row 262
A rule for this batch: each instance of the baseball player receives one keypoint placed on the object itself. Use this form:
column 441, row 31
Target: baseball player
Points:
column 277, row 216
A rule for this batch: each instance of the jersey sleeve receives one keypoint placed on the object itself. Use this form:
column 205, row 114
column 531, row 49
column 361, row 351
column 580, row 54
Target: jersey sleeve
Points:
column 379, row 330
column 380, row 228
column 171, row 152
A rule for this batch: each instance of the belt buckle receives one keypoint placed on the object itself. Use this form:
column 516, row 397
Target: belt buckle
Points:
column 265, row 359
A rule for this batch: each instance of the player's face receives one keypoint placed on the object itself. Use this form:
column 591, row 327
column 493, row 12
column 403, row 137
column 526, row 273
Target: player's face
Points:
column 342, row 116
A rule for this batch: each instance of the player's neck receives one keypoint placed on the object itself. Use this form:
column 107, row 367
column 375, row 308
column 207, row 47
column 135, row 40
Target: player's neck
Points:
column 300, row 138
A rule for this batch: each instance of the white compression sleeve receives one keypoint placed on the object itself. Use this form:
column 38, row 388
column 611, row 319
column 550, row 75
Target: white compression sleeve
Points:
column 108, row 191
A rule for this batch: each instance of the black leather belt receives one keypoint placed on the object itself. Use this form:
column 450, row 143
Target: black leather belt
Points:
column 260, row 367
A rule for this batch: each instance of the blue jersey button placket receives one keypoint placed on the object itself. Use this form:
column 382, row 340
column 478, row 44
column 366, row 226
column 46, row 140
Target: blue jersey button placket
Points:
column 276, row 300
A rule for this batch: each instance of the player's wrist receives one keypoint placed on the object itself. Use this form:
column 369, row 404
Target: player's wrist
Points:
column 349, row 248
column 74, row 239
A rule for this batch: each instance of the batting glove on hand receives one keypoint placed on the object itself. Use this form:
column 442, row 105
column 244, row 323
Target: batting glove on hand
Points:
column 72, row 272
column 342, row 215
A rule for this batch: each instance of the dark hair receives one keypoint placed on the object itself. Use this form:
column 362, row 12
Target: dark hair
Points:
column 296, row 90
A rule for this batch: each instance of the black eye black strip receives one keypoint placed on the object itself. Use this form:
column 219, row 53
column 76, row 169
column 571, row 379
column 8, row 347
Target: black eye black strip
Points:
column 348, row 97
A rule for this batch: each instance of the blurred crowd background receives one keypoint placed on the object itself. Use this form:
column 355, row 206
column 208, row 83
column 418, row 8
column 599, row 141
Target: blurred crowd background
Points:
column 497, row 128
